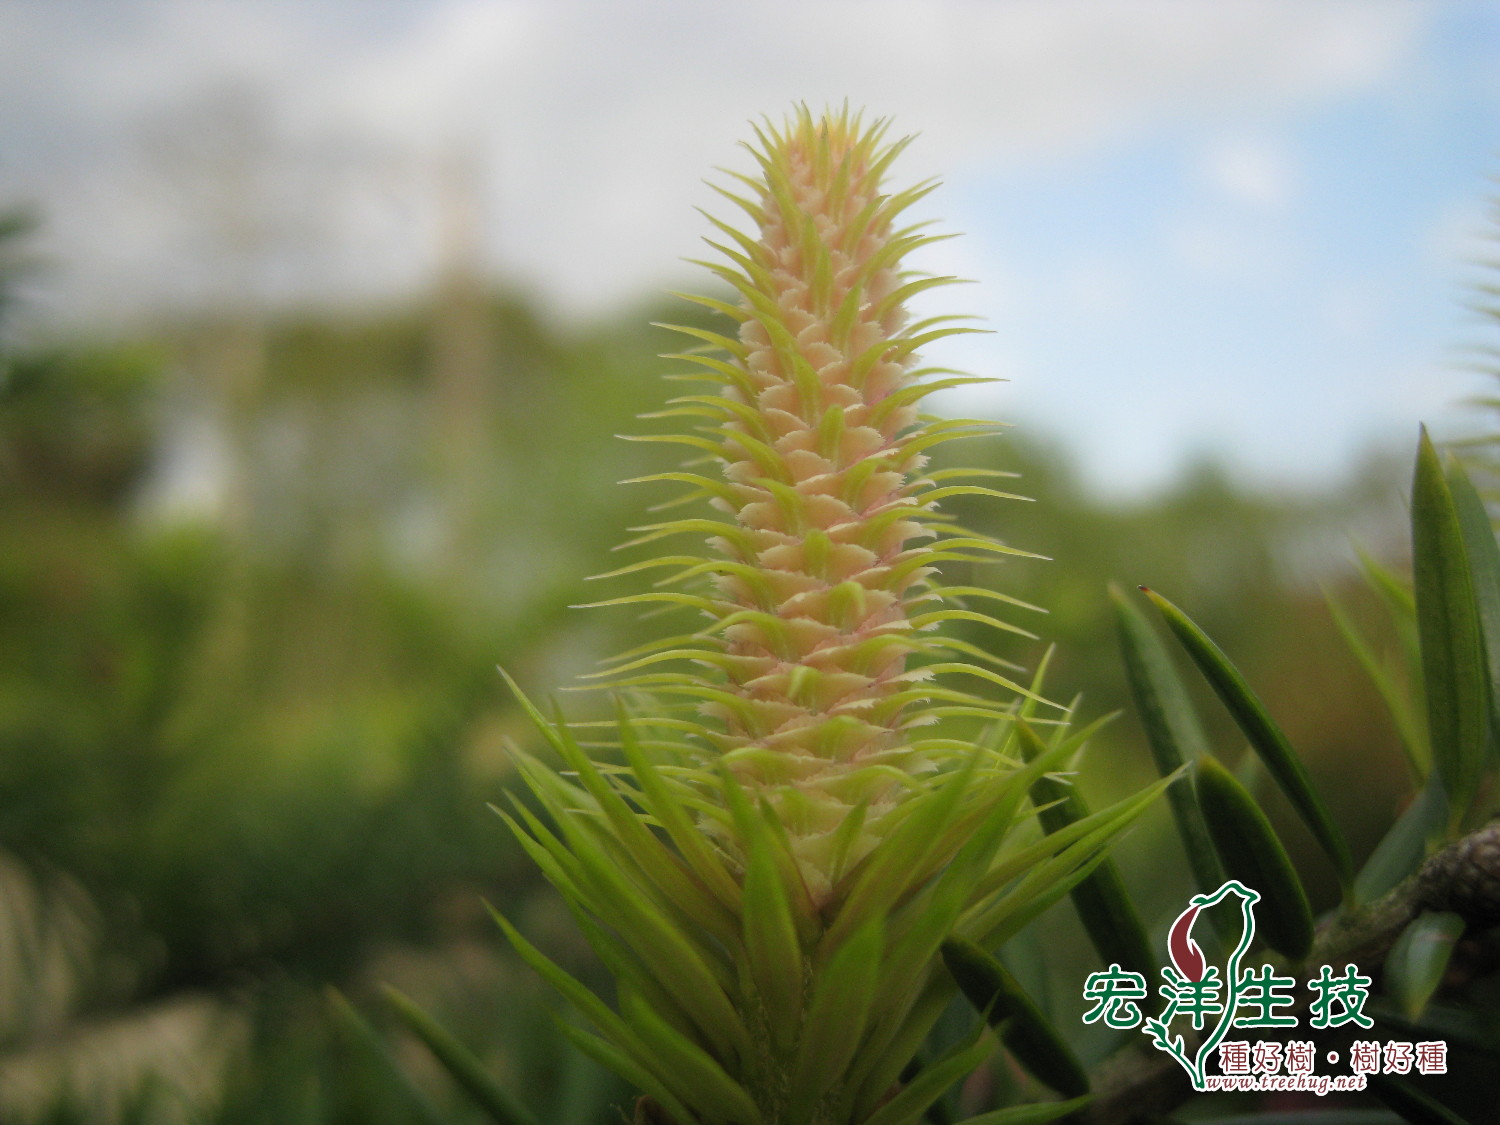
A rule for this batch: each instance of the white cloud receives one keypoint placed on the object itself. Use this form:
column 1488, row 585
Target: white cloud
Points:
column 1227, row 247
column 596, row 120
column 1351, row 309
column 1100, row 290
column 1252, row 172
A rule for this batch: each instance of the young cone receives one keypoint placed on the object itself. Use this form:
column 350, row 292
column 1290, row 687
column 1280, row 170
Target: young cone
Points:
column 772, row 873
column 820, row 592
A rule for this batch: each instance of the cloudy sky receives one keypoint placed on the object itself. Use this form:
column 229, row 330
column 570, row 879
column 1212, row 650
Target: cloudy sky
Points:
column 1237, row 228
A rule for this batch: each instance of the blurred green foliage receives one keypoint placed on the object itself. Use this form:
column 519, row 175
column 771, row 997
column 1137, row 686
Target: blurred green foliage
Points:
column 255, row 575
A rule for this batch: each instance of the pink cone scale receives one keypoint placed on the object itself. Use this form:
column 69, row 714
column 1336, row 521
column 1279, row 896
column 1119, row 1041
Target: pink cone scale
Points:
column 800, row 819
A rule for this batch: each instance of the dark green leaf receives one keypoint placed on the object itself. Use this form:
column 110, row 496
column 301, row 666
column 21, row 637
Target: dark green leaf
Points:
column 1175, row 736
column 1454, row 669
column 1417, row 961
column 1251, row 853
column 1484, row 570
column 997, row 995
column 938, row 1113
column 1264, row 735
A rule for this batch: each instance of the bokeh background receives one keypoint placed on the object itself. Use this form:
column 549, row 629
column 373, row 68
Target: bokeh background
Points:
column 318, row 320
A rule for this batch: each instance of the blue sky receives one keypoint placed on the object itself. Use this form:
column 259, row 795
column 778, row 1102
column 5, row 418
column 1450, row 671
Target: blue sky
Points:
column 1237, row 228
column 1281, row 289
column 1279, row 294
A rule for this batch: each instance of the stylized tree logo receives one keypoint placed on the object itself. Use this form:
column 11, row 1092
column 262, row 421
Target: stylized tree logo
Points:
column 1192, row 985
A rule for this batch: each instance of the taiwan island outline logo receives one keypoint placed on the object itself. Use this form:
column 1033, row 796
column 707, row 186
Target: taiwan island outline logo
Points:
column 1195, row 990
